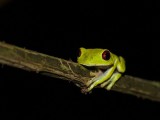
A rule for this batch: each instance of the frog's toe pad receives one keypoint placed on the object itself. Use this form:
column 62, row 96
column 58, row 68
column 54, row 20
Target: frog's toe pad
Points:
column 85, row 90
column 109, row 87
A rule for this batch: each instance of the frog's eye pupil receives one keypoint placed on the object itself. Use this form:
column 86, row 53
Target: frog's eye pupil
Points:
column 106, row 55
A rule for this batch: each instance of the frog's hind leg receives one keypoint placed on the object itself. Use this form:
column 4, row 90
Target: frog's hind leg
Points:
column 111, row 81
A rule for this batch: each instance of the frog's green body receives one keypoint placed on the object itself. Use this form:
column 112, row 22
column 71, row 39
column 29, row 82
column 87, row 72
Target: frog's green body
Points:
column 102, row 59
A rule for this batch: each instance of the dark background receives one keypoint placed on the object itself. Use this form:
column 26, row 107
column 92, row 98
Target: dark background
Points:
column 59, row 28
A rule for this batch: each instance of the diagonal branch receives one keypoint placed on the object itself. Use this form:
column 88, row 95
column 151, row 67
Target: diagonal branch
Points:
column 67, row 70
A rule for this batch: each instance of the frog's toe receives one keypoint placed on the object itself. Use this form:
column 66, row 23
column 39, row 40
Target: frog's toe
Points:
column 109, row 86
column 105, row 83
column 89, row 82
column 85, row 90
column 113, row 80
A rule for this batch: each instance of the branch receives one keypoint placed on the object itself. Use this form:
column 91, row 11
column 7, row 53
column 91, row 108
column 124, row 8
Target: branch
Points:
column 67, row 70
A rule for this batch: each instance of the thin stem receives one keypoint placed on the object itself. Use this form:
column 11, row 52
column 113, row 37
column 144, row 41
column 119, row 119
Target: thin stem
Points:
column 67, row 70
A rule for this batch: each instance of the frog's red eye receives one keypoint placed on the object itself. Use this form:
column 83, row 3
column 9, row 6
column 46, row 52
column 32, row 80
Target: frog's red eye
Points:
column 106, row 55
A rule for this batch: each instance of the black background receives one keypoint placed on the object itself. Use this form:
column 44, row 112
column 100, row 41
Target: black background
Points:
column 59, row 28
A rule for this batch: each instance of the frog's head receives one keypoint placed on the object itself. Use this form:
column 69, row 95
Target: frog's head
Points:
column 95, row 57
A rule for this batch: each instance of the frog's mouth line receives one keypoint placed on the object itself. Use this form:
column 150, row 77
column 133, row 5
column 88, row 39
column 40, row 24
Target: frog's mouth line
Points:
column 102, row 68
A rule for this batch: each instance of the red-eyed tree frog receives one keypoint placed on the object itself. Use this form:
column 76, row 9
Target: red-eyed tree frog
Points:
column 110, row 66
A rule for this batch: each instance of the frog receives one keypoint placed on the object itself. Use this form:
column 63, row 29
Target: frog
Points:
column 109, row 67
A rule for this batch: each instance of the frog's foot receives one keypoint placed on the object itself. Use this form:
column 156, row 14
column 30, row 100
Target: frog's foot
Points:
column 94, row 82
column 95, row 74
column 110, row 82
column 90, row 84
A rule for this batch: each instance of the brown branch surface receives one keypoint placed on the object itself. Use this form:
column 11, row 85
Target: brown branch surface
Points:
column 67, row 70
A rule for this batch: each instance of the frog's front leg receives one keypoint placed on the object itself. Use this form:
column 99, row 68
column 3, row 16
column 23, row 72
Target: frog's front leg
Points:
column 101, row 78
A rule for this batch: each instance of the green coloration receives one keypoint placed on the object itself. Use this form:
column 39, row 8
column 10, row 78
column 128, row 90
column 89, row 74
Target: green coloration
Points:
column 113, row 65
